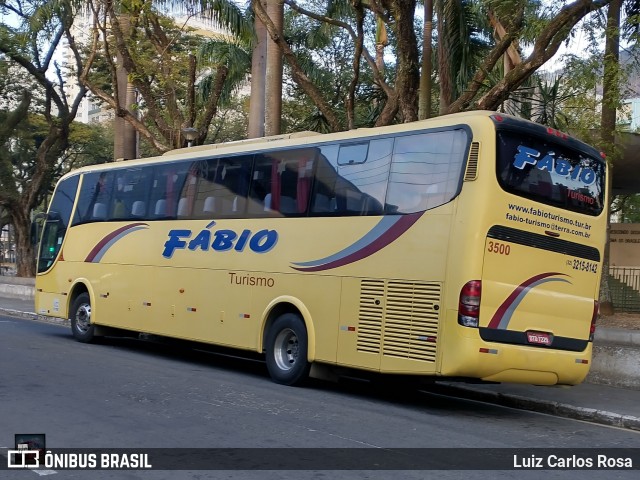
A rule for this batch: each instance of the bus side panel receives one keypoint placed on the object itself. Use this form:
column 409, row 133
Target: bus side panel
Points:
column 317, row 296
column 116, row 303
column 359, row 328
column 51, row 297
column 391, row 322
column 188, row 304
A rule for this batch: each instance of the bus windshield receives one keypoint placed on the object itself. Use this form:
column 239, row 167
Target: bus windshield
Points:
column 545, row 171
column 57, row 222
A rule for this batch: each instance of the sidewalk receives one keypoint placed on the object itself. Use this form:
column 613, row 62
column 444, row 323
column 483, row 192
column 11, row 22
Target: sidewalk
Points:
column 591, row 402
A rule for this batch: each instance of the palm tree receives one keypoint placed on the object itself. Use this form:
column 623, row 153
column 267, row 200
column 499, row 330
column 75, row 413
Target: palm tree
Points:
column 172, row 108
column 610, row 101
column 424, row 106
column 258, row 79
column 462, row 43
column 273, row 82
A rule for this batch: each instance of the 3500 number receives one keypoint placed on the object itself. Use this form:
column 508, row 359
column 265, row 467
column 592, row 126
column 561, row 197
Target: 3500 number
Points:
column 499, row 248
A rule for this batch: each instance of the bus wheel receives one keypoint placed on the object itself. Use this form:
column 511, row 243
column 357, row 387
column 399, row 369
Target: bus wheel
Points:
column 81, row 326
column 287, row 350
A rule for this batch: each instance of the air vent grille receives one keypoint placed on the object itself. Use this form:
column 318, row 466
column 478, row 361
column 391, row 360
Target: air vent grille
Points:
column 399, row 318
column 370, row 317
column 472, row 165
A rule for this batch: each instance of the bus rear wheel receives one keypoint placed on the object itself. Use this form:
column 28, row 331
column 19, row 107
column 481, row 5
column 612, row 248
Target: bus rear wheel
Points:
column 81, row 327
column 287, row 346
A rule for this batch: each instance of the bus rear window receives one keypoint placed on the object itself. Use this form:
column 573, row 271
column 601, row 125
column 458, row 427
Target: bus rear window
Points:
column 548, row 172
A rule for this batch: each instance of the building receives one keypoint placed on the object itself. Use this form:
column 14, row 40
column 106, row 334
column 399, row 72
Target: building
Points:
column 7, row 251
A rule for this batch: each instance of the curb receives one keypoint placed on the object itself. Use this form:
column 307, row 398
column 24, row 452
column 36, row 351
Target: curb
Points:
column 17, row 291
column 33, row 316
column 557, row 409
column 618, row 336
column 469, row 392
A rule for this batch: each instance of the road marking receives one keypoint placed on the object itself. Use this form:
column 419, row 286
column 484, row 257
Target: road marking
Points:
column 42, row 473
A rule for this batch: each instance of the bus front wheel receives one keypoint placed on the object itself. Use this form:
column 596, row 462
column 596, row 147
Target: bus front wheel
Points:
column 287, row 346
column 81, row 326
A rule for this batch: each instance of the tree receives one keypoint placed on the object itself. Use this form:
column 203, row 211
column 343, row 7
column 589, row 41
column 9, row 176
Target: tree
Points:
column 424, row 106
column 468, row 90
column 258, row 79
column 610, row 103
column 273, row 73
column 177, row 88
column 463, row 42
column 30, row 46
column 87, row 145
column 627, row 207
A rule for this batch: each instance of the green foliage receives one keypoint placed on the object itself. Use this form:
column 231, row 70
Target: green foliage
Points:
column 466, row 37
column 182, row 75
column 233, row 55
column 88, row 144
column 627, row 207
column 231, row 123
column 325, row 54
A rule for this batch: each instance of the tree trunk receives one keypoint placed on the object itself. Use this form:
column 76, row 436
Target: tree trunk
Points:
column 125, row 137
column 273, row 87
column 444, row 67
column 382, row 40
column 258, row 79
column 408, row 75
column 25, row 257
column 424, row 104
column 297, row 73
column 610, row 101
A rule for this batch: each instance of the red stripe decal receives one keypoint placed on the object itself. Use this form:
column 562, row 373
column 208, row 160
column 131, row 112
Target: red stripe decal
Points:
column 95, row 250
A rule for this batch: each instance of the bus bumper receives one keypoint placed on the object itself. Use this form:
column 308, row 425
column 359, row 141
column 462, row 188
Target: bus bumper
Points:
column 500, row 362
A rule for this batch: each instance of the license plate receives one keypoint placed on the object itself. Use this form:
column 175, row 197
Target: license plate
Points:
column 539, row 338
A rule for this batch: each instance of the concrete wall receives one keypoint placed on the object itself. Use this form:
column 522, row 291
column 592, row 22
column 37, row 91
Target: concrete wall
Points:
column 17, row 287
column 625, row 245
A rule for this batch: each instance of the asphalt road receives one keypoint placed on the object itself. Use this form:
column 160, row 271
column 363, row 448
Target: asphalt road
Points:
column 125, row 393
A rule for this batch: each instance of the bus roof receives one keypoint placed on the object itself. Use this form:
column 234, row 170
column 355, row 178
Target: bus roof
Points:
column 302, row 138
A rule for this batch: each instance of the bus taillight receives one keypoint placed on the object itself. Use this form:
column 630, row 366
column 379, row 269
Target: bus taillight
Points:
column 557, row 133
column 594, row 317
column 469, row 304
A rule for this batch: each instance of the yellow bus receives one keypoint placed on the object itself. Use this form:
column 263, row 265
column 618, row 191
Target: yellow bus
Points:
column 466, row 246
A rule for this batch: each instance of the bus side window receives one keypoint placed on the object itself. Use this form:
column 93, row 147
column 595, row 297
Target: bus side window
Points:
column 260, row 196
column 206, row 204
column 157, row 196
column 426, row 171
column 215, row 187
column 165, row 185
column 353, row 178
column 323, row 196
column 131, row 193
column 94, row 197
column 237, row 181
column 282, row 182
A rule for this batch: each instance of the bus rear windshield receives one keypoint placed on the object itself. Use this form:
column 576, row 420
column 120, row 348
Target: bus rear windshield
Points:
column 545, row 171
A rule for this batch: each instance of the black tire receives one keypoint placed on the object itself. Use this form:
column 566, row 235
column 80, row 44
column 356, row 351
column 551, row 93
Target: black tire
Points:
column 287, row 347
column 80, row 316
